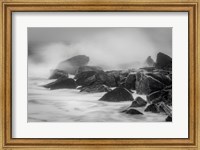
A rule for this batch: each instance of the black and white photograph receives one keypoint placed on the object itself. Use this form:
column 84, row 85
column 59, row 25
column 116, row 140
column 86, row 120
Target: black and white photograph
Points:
column 99, row 74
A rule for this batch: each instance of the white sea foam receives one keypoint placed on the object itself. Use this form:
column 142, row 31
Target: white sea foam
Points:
column 70, row 105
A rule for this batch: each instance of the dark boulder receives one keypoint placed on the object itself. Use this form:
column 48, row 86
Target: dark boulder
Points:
column 89, row 68
column 168, row 119
column 89, row 81
column 164, row 95
column 111, row 81
column 165, row 79
column 163, row 107
column 62, row 83
column 84, row 74
column 152, row 108
column 146, row 84
column 117, row 95
column 95, row 88
column 154, row 96
column 56, row 74
column 103, row 78
column 138, row 102
column 71, row 65
column 92, row 77
column 117, row 77
column 132, row 111
column 168, row 97
column 130, row 81
column 85, row 78
column 163, row 61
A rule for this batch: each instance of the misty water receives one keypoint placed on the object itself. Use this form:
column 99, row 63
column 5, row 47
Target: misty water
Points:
column 71, row 105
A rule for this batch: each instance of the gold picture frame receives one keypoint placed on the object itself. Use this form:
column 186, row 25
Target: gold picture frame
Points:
column 9, row 6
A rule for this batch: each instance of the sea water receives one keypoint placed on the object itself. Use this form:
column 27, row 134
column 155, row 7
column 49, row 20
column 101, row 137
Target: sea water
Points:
column 71, row 105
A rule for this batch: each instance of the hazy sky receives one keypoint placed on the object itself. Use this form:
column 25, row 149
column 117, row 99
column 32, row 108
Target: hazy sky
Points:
column 107, row 47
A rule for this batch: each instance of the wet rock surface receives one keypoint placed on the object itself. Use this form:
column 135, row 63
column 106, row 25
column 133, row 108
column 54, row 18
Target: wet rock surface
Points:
column 164, row 95
column 168, row 119
column 138, row 102
column 146, row 84
column 117, row 95
column 130, row 81
column 92, row 77
column 152, row 108
column 163, row 61
column 89, row 68
column 118, row 77
column 132, row 111
column 56, row 74
column 95, row 88
column 85, row 78
column 61, row 83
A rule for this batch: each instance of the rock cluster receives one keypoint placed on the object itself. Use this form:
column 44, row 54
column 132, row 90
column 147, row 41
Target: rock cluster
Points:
column 95, row 88
column 154, row 81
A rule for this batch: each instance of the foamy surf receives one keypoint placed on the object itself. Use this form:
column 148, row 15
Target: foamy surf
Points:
column 70, row 105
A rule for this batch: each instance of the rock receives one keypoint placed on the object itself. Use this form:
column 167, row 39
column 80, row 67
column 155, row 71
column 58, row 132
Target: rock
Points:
column 154, row 96
column 62, row 83
column 168, row 119
column 71, row 65
column 84, row 74
column 163, row 61
column 114, row 73
column 138, row 102
column 117, row 77
column 103, row 78
column 79, row 87
column 152, row 108
column 56, row 74
column 111, row 81
column 130, row 81
column 149, row 62
column 147, row 84
column 159, row 107
column 148, row 69
column 117, row 95
column 164, row 95
column 133, row 111
column 165, row 109
column 168, row 97
column 95, row 88
column 92, row 77
column 161, row 77
column 125, row 73
column 89, row 68
column 90, row 80
column 170, row 76
column 85, row 78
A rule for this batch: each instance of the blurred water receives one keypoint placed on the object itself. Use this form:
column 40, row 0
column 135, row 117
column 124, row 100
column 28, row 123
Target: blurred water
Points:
column 70, row 105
